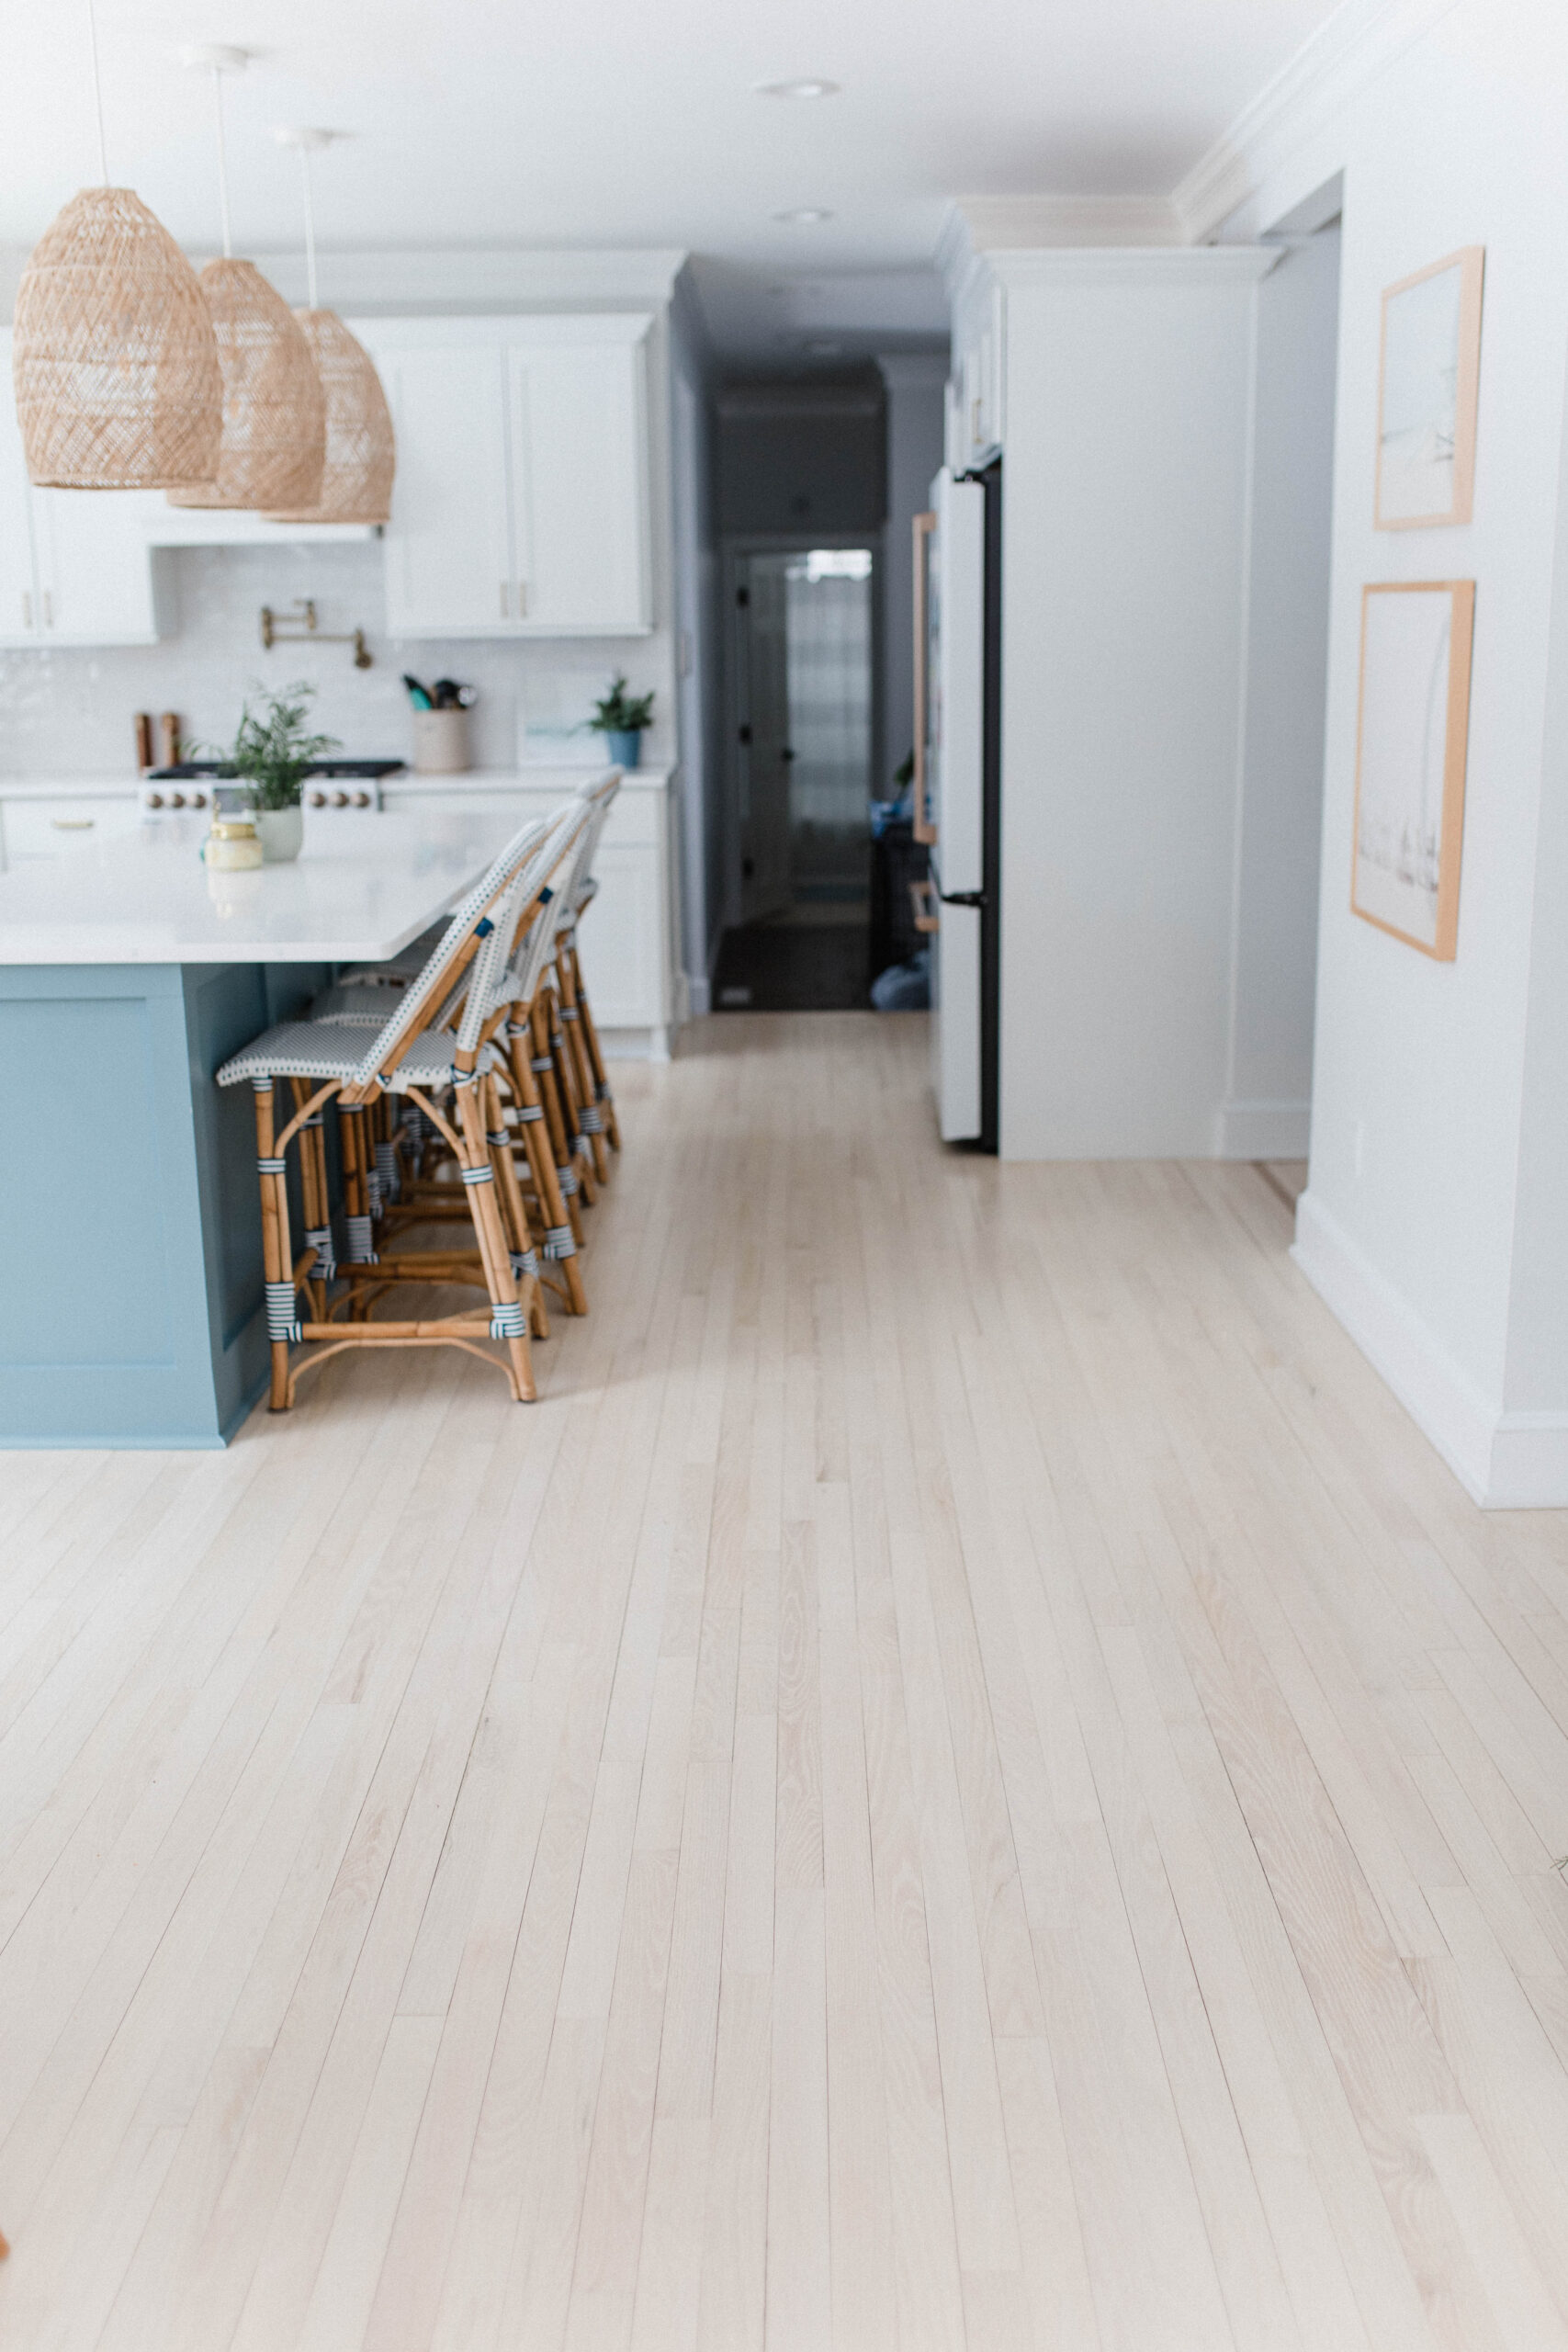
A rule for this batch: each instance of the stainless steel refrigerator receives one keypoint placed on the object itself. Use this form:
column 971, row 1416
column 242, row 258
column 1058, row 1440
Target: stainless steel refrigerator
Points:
column 958, row 790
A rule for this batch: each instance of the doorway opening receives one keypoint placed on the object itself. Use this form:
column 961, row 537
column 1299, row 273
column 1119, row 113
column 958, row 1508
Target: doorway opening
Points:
column 803, row 679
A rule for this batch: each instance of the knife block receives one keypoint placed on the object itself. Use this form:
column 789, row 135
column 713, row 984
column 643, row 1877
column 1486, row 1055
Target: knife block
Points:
column 440, row 741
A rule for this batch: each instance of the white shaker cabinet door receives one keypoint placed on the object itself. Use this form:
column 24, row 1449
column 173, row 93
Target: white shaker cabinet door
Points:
column 448, row 545
column 94, row 569
column 18, row 588
column 580, row 501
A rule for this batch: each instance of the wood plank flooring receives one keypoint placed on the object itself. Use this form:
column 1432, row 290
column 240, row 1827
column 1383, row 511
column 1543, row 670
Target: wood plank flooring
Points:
column 965, row 1780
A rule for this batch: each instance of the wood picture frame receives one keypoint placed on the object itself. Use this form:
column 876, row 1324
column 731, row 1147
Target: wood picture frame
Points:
column 1428, row 392
column 1412, row 741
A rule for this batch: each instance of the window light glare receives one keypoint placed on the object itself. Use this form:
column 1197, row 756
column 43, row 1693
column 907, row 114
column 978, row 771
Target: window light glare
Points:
column 808, row 87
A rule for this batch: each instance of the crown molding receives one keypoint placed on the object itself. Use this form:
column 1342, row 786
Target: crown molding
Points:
column 986, row 226
column 1356, row 43
column 474, row 280
column 1136, row 266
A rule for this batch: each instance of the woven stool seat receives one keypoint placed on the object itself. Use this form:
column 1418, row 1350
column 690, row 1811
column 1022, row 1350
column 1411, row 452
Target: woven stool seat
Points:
column 297, row 1049
column 357, row 1004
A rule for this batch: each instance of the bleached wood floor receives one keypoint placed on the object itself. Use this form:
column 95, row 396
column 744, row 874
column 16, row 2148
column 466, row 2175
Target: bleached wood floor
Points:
column 966, row 1779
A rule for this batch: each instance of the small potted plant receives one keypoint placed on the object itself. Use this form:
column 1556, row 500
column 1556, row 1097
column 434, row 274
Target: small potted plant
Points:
column 620, row 718
column 272, row 755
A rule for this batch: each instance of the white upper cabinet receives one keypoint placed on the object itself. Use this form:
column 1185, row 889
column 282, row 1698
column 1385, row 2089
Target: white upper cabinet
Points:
column 94, row 573
column 19, row 585
column 449, row 559
column 520, row 507
column 576, row 441
column 74, row 567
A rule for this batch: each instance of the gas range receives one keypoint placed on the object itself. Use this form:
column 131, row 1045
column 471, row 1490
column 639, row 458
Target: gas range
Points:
column 196, row 783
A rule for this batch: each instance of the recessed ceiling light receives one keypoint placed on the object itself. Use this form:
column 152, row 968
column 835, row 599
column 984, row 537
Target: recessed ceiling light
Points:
column 804, row 216
column 802, row 89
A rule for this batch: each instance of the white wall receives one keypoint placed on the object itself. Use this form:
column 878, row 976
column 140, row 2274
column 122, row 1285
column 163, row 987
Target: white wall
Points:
column 1269, row 1075
column 915, row 382
column 1434, row 1220
column 1125, row 500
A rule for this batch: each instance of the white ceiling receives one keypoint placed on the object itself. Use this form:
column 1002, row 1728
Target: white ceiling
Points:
column 606, row 123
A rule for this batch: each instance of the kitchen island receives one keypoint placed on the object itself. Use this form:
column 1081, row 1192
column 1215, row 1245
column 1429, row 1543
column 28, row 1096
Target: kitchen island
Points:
column 131, row 1256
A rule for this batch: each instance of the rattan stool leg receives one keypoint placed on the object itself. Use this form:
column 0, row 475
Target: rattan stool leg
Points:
column 543, row 1070
column 560, row 1238
column 589, row 1117
column 277, row 1263
column 514, row 1212
column 509, row 1314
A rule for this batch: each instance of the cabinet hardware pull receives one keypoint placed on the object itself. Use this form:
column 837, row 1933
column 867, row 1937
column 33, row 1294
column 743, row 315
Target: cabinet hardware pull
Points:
column 974, row 421
column 48, row 610
column 73, row 824
column 522, row 599
column 27, row 610
column 504, row 600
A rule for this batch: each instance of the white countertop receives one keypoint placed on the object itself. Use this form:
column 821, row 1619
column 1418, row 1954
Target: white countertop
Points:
column 363, row 886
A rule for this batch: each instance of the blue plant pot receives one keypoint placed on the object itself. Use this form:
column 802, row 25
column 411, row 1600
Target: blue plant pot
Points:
column 624, row 749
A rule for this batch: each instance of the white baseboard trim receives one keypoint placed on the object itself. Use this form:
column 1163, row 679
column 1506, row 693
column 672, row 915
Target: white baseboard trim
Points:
column 1262, row 1129
column 1503, row 1460
column 636, row 1044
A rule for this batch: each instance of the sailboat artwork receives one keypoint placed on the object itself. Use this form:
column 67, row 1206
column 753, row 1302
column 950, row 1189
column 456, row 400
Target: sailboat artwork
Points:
column 1430, row 379
column 1410, row 758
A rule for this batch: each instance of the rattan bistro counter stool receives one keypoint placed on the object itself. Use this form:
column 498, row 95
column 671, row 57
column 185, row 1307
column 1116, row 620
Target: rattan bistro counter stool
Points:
column 419, row 1197
column 432, row 1067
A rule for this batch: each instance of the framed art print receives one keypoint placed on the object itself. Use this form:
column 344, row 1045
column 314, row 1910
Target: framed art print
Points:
column 1429, row 382
column 1411, row 741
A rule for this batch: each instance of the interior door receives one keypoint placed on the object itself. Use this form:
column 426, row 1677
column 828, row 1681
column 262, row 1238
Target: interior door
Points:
column 449, row 557
column 577, row 439
column 765, row 754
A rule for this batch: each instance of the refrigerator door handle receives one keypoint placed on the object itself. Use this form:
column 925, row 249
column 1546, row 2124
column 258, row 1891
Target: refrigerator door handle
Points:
column 964, row 897
column 925, row 827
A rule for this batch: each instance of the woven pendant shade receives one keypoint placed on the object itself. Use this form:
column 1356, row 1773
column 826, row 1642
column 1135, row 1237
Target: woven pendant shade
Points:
column 274, row 411
column 356, row 482
column 116, row 362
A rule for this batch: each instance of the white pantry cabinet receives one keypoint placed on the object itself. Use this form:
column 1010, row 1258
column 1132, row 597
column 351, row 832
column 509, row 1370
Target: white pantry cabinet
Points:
column 521, row 502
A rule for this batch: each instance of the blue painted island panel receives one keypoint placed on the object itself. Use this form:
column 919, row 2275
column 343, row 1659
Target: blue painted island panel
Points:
column 131, row 1266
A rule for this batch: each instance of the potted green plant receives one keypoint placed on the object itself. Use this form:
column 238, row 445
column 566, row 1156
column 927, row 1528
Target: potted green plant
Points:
column 272, row 754
column 620, row 718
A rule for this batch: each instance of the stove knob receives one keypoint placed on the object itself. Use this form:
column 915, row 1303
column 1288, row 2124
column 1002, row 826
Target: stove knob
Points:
column 361, row 800
column 318, row 800
column 177, row 800
column 198, row 800
column 340, row 800
column 155, row 801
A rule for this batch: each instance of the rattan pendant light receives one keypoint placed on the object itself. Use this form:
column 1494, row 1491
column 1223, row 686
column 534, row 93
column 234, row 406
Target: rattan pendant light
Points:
column 357, row 481
column 115, row 358
column 275, row 429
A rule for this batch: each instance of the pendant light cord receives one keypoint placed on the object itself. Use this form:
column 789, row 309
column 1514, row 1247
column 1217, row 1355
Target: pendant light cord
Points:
column 309, row 230
column 98, row 91
column 222, row 161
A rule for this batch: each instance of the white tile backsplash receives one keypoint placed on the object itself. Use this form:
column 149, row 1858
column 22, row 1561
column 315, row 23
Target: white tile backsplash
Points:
column 70, row 711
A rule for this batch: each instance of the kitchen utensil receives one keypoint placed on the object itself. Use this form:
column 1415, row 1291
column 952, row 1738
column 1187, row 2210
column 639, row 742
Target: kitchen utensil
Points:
column 419, row 695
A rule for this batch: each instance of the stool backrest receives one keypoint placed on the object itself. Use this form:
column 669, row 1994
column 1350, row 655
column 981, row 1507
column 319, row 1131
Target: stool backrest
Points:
column 490, row 990
column 596, row 798
column 489, row 907
column 536, row 940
